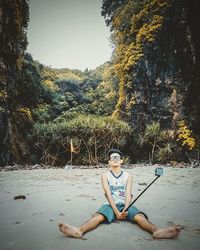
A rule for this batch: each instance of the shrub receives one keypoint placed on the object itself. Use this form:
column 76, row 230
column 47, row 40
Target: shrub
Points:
column 92, row 137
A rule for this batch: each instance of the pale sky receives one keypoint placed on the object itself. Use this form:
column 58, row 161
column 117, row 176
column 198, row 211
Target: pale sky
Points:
column 68, row 33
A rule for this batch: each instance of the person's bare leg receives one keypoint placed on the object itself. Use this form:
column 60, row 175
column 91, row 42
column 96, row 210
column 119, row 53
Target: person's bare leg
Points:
column 77, row 232
column 163, row 233
column 92, row 223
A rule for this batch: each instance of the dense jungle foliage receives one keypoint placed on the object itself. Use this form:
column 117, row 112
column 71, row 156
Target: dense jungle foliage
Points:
column 145, row 100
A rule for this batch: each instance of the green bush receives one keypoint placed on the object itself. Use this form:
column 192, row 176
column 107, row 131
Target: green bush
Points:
column 92, row 137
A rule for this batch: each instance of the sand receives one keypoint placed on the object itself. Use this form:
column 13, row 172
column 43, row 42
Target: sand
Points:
column 72, row 196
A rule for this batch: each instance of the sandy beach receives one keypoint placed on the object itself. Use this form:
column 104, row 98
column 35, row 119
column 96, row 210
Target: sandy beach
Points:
column 72, row 196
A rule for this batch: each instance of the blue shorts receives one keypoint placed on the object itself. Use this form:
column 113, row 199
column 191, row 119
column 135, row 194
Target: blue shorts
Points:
column 107, row 211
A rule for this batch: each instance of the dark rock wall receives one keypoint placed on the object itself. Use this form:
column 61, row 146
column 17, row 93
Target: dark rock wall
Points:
column 166, row 83
column 14, row 16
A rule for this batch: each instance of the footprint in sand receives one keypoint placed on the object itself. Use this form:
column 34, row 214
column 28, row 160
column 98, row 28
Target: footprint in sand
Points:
column 18, row 222
column 197, row 230
column 86, row 196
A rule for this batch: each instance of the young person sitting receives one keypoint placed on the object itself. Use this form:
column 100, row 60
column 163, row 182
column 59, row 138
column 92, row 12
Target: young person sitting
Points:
column 117, row 186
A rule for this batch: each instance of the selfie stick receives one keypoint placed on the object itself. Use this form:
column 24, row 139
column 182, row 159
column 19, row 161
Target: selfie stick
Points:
column 158, row 173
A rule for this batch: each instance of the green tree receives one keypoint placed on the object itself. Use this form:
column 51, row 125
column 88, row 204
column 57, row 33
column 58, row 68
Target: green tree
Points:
column 153, row 135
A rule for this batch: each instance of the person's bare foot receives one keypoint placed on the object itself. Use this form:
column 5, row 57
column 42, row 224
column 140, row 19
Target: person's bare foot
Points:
column 70, row 230
column 167, row 233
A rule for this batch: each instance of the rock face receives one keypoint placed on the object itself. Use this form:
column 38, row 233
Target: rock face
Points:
column 167, row 78
column 14, row 17
column 4, row 152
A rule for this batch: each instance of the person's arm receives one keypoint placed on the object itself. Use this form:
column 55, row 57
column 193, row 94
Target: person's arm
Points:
column 128, row 191
column 109, row 196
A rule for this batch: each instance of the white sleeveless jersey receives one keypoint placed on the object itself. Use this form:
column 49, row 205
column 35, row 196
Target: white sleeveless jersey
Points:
column 117, row 185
